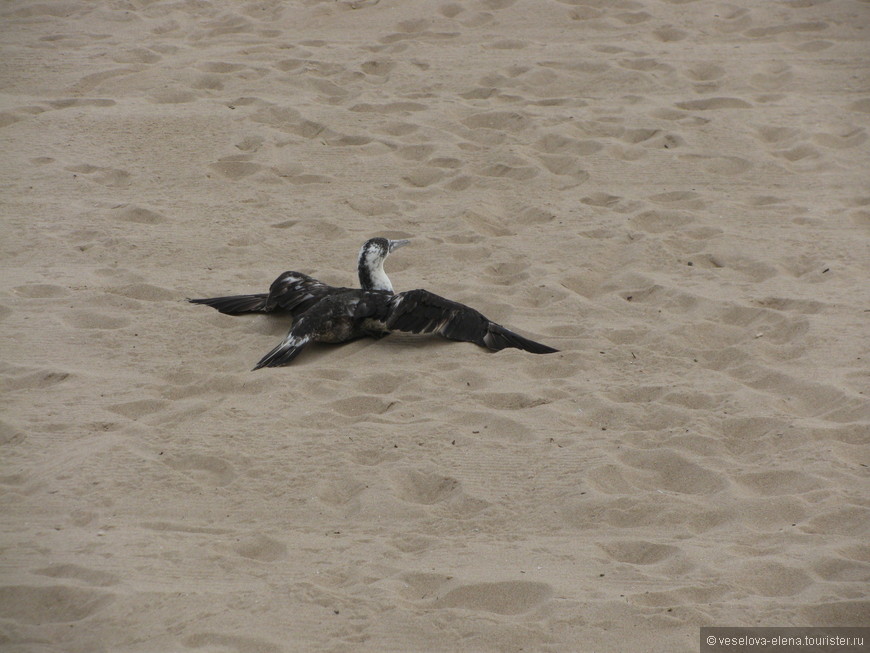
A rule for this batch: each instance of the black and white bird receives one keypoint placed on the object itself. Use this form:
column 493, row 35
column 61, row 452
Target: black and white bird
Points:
column 323, row 313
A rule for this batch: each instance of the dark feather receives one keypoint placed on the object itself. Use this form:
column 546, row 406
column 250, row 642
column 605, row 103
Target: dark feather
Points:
column 297, row 292
column 293, row 292
column 236, row 304
column 420, row 311
column 498, row 338
column 289, row 349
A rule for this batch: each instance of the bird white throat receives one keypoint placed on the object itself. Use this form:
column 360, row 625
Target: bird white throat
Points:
column 374, row 261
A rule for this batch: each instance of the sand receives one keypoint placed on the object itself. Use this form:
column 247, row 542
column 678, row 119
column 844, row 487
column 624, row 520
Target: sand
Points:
column 673, row 193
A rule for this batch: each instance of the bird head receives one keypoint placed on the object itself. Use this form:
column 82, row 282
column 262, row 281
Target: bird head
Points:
column 370, row 263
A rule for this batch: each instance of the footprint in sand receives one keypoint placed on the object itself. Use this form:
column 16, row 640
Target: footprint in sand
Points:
column 809, row 398
column 486, row 225
column 427, row 488
column 506, row 598
column 516, row 170
column 730, row 19
column 41, row 291
column 815, row 45
column 848, row 520
column 776, row 30
column 423, row 177
column 841, row 569
column 378, row 68
column 51, row 604
column 360, row 406
column 845, row 138
column 777, row 135
column 138, row 215
column 772, row 76
column 430, row 488
column 645, row 64
column 208, row 83
column 667, row 470
column 66, row 103
column 261, row 548
column 235, row 169
column 372, row 207
column 135, row 55
column 565, row 166
column 290, row 121
column 418, row 152
column 139, row 408
column 94, row 80
column 205, row 470
column 720, row 165
column 487, row 425
column 228, row 23
column 779, row 482
column 76, row 572
column 341, row 491
column 860, row 106
column 220, row 67
column 173, row 96
column 714, row 103
column 232, row 643
column 639, row 552
column 371, row 457
column 563, row 145
column 111, row 177
column 451, row 10
column 669, row 34
column 659, row 221
column 633, row 17
column 506, row 273
column 688, row 595
column 144, row 292
column 30, row 378
column 388, row 107
column 508, row 400
column 680, row 199
column 707, row 76
column 94, row 320
column 508, row 121
column 770, row 578
column 10, row 435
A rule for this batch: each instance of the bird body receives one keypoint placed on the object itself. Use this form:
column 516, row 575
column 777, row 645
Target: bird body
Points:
column 328, row 314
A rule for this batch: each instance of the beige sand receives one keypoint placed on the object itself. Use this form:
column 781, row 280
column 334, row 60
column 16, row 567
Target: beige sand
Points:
column 673, row 193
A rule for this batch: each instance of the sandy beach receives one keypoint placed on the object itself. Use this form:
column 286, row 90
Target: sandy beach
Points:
column 673, row 193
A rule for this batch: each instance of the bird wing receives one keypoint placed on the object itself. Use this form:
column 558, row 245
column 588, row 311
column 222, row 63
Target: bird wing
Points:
column 292, row 291
column 287, row 350
column 296, row 292
column 236, row 304
column 420, row 311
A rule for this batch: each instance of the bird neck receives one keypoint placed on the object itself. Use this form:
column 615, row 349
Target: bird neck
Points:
column 373, row 277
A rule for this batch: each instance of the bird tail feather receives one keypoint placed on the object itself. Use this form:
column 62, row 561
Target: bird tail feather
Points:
column 235, row 304
column 498, row 338
column 284, row 353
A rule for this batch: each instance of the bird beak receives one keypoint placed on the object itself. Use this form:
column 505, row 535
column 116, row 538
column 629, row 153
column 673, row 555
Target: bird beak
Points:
column 396, row 244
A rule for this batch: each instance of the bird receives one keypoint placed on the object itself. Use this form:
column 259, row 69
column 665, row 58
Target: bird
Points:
column 329, row 314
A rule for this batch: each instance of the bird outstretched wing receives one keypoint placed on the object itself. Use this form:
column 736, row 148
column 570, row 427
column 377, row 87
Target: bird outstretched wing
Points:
column 287, row 350
column 236, row 304
column 293, row 292
column 297, row 292
column 420, row 311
